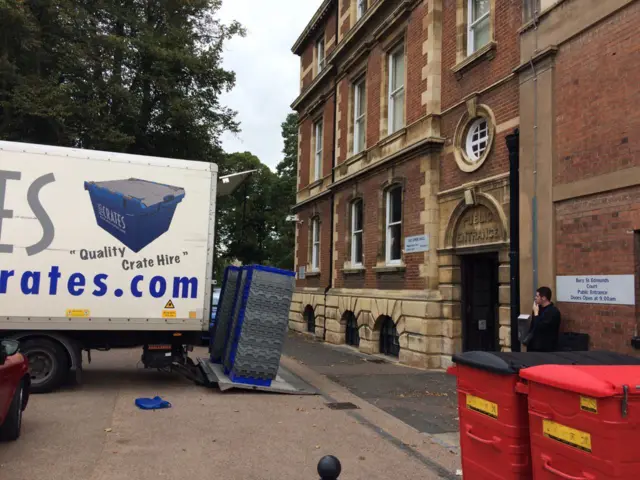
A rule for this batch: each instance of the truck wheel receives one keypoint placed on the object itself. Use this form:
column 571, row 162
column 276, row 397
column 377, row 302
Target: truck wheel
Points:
column 48, row 364
column 10, row 429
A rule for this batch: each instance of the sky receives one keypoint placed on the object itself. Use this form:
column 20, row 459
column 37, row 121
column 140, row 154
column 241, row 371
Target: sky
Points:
column 267, row 73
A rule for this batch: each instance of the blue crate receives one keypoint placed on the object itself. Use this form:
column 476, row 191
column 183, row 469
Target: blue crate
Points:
column 238, row 297
column 259, row 382
column 134, row 211
column 242, row 301
column 224, row 314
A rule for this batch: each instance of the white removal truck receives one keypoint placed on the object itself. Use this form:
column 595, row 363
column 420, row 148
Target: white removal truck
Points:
column 103, row 250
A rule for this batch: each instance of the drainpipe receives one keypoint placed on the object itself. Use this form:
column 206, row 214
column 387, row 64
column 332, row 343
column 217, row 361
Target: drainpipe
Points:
column 534, row 199
column 513, row 145
column 333, row 179
column 332, row 197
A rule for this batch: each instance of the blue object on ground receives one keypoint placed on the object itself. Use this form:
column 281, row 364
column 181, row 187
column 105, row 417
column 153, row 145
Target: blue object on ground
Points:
column 154, row 403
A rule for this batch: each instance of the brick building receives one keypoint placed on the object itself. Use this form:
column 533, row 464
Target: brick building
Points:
column 580, row 161
column 404, row 107
column 408, row 195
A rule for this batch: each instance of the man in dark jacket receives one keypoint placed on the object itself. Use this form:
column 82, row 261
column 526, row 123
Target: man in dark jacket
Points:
column 545, row 326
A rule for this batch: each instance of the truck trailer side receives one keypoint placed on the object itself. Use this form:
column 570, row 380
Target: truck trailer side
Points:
column 103, row 250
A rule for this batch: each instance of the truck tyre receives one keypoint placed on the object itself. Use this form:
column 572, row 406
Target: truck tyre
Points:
column 48, row 364
column 10, row 429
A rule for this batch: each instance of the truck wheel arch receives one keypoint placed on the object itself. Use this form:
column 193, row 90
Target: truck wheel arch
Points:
column 74, row 353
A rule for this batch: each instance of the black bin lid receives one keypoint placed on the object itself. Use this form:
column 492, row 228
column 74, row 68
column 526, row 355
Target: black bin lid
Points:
column 510, row 363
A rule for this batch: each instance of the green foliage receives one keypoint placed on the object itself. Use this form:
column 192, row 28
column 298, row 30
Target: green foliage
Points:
column 135, row 76
column 258, row 232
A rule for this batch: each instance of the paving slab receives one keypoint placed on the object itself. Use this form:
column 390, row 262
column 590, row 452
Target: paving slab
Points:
column 426, row 400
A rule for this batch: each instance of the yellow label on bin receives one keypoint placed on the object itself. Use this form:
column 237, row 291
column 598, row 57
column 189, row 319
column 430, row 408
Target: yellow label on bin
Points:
column 168, row 314
column 78, row 313
column 483, row 406
column 567, row 435
column 589, row 404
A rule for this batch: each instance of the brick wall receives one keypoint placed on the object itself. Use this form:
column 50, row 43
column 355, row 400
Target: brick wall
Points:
column 344, row 89
column 306, row 129
column 328, row 128
column 374, row 84
column 330, row 31
column 595, row 236
column 322, row 209
column 416, row 60
column 345, row 5
column 307, row 59
column 597, row 98
column 370, row 189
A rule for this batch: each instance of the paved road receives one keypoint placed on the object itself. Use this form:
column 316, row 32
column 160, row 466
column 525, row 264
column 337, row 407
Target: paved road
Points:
column 424, row 400
column 94, row 432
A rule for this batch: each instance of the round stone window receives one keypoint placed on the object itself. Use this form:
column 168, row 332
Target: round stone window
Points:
column 474, row 138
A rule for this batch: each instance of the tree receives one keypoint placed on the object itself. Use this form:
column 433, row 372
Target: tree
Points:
column 289, row 165
column 252, row 223
column 136, row 76
column 245, row 218
column 284, row 246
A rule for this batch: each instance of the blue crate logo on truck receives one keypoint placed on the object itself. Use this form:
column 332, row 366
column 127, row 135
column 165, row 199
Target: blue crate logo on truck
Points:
column 134, row 211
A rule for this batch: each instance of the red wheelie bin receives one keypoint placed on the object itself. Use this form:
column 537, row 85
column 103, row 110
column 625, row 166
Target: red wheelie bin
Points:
column 494, row 421
column 584, row 421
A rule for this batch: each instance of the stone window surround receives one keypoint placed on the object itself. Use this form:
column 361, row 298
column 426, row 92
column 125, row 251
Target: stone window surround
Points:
column 359, row 82
column 472, row 113
column 361, row 7
column 314, row 176
column 399, row 40
column 317, row 70
column 313, row 218
column 349, row 268
column 381, row 265
column 472, row 24
column 464, row 60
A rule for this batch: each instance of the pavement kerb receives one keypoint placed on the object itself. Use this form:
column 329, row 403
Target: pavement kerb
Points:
column 436, row 455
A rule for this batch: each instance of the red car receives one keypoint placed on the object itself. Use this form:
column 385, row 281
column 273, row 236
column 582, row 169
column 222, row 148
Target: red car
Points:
column 14, row 389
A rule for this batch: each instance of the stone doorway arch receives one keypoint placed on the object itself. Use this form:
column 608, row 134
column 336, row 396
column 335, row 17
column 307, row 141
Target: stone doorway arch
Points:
column 389, row 337
column 352, row 331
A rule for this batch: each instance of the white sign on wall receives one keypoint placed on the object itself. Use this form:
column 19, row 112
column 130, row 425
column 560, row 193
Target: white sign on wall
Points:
column 599, row 289
column 416, row 244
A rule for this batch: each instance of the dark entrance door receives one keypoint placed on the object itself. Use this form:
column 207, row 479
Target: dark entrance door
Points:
column 480, row 302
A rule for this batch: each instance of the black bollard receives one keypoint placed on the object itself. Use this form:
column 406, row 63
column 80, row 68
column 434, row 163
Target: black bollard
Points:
column 329, row 468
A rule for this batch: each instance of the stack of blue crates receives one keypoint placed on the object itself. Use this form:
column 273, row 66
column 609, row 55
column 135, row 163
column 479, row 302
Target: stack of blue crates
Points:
column 220, row 331
column 259, row 325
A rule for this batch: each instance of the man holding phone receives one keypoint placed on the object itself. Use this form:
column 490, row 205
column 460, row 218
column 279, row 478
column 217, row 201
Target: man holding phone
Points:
column 545, row 327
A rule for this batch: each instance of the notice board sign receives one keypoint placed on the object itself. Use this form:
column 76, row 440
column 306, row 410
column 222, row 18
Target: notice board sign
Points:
column 598, row 289
column 416, row 244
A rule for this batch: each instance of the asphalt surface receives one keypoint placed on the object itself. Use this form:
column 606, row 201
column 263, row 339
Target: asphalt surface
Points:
column 95, row 432
column 425, row 400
